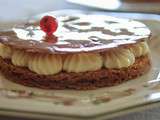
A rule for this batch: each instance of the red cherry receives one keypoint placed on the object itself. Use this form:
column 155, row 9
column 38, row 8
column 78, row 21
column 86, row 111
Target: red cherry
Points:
column 48, row 24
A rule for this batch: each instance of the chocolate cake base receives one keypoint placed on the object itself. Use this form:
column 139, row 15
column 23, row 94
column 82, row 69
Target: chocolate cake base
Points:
column 83, row 81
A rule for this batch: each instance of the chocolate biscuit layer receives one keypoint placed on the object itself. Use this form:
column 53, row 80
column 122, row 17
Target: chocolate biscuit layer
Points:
column 79, row 81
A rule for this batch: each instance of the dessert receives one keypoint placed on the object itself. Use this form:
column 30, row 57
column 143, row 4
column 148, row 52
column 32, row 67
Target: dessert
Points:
column 85, row 52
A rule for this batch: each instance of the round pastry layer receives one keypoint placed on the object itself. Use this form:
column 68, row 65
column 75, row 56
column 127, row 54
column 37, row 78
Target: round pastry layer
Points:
column 76, row 33
column 83, row 80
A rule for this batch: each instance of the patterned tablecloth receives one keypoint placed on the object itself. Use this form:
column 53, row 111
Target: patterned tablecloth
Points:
column 12, row 10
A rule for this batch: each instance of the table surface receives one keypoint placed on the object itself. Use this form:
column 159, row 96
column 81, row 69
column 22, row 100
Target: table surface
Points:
column 12, row 10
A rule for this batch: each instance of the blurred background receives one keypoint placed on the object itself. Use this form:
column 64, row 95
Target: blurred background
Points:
column 19, row 10
column 11, row 10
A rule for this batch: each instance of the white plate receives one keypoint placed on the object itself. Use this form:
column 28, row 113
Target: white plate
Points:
column 17, row 100
column 118, row 5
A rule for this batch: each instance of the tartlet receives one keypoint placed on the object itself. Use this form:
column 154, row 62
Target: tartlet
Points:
column 91, row 51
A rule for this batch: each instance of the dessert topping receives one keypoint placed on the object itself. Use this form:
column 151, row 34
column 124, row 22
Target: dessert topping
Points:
column 48, row 24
